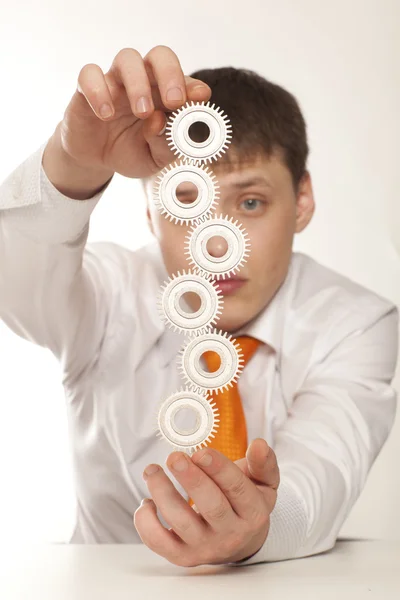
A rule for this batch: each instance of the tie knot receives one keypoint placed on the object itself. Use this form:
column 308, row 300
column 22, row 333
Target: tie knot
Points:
column 248, row 345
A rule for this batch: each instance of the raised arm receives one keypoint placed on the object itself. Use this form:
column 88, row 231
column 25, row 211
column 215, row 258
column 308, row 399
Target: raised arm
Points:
column 53, row 290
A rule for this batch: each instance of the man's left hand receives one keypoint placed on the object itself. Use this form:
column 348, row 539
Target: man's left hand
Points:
column 233, row 503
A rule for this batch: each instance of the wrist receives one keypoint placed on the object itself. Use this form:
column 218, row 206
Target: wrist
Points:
column 73, row 180
column 251, row 549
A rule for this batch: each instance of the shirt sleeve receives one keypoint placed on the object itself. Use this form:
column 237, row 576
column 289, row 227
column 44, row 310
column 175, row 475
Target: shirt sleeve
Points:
column 339, row 420
column 52, row 292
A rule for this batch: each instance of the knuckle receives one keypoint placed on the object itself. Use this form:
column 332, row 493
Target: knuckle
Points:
column 125, row 55
column 88, row 72
column 230, row 544
column 159, row 49
column 86, row 68
column 258, row 522
column 196, row 481
column 127, row 52
column 237, row 489
column 217, row 513
column 183, row 525
column 183, row 560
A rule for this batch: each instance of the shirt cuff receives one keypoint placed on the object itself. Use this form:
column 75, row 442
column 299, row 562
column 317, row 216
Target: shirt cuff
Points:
column 42, row 212
column 288, row 529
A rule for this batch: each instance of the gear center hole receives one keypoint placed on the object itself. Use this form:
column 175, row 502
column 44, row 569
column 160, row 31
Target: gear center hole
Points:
column 186, row 421
column 199, row 132
column 190, row 302
column 187, row 192
column 217, row 246
column 212, row 360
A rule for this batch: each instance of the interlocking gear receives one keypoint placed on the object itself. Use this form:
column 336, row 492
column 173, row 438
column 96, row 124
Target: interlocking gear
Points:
column 191, row 438
column 165, row 196
column 238, row 247
column 173, row 308
column 231, row 358
column 177, row 132
column 180, row 317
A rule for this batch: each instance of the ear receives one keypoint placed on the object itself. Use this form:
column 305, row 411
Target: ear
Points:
column 305, row 205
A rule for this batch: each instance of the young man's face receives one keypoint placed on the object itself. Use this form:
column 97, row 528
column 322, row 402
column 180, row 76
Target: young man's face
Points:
column 260, row 195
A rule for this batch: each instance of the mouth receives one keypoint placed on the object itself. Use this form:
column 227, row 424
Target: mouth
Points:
column 229, row 285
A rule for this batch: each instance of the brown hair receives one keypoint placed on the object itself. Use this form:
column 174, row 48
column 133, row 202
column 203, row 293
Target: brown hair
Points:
column 265, row 118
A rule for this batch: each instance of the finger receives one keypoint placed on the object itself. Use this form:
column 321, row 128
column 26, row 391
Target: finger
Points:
column 210, row 501
column 155, row 125
column 153, row 130
column 164, row 69
column 262, row 463
column 93, row 86
column 154, row 535
column 175, row 510
column 129, row 70
column 196, row 91
column 242, row 494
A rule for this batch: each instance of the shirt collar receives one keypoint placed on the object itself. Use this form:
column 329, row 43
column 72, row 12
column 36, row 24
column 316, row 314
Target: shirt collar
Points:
column 267, row 326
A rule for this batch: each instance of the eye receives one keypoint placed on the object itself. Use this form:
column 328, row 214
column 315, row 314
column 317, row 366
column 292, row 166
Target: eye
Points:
column 252, row 204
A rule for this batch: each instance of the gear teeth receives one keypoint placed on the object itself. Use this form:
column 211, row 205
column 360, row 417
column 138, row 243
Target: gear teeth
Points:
column 183, row 282
column 207, row 272
column 176, row 133
column 194, row 379
column 203, row 265
column 165, row 199
column 165, row 431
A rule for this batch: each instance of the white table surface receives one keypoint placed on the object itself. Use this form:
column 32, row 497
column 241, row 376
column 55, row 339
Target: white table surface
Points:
column 354, row 569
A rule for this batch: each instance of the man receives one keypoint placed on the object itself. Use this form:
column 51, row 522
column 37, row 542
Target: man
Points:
column 316, row 395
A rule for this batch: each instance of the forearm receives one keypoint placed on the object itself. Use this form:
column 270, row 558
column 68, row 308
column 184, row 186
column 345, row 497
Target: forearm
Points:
column 71, row 179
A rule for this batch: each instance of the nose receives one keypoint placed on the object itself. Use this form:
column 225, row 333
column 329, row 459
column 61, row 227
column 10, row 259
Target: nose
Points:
column 217, row 246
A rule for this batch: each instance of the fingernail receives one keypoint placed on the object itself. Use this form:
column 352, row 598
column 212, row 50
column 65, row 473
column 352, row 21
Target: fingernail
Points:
column 174, row 95
column 199, row 87
column 105, row 111
column 181, row 464
column 151, row 469
column 163, row 129
column 146, row 501
column 143, row 105
column 205, row 460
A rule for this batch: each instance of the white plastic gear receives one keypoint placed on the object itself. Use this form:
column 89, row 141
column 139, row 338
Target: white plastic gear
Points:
column 187, row 440
column 230, row 354
column 179, row 319
column 236, row 255
column 177, row 132
column 166, row 200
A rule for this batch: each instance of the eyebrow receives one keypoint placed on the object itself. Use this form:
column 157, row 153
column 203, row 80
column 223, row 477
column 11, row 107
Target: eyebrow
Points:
column 244, row 183
column 251, row 181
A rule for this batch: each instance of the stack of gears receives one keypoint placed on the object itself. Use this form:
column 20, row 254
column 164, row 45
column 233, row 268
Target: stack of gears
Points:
column 200, row 279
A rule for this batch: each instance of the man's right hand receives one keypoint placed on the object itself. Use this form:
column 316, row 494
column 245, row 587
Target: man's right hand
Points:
column 139, row 91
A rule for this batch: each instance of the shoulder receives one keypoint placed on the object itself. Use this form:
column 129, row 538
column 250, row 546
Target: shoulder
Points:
column 325, row 307
column 130, row 280
column 326, row 315
column 142, row 268
column 316, row 289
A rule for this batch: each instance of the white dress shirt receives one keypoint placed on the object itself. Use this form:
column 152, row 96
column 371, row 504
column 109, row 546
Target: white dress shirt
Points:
column 318, row 389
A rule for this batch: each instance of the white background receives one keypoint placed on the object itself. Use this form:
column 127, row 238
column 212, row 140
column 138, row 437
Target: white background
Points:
column 340, row 59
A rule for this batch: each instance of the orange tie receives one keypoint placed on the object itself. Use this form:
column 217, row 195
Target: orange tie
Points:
column 231, row 435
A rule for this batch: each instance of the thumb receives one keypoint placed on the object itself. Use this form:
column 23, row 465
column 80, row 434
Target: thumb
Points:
column 262, row 463
column 153, row 133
